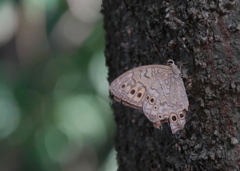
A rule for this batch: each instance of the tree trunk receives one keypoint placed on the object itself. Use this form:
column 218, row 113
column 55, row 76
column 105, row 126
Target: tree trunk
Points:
column 205, row 36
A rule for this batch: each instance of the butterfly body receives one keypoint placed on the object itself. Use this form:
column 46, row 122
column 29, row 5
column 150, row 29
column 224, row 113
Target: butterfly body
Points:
column 158, row 90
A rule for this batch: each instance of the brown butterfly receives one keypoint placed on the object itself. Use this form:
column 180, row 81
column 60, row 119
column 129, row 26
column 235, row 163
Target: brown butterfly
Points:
column 158, row 90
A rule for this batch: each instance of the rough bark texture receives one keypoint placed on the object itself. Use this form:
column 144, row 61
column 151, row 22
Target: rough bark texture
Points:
column 206, row 35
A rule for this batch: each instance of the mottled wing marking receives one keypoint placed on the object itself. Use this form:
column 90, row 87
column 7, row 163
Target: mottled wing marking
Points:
column 138, row 79
column 171, row 100
column 178, row 95
column 115, row 86
column 182, row 96
column 158, row 90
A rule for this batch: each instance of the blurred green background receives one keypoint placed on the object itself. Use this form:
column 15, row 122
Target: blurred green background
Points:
column 54, row 106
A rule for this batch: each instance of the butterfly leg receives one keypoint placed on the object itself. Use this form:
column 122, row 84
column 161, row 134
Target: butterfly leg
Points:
column 117, row 99
column 157, row 125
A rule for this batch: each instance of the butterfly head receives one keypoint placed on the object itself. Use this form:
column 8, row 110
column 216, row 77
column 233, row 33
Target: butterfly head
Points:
column 174, row 67
column 170, row 62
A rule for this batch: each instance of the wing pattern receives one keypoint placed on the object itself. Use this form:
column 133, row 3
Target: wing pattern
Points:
column 158, row 90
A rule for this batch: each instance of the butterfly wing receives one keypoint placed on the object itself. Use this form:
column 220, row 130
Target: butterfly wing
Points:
column 157, row 102
column 158, row 90
column 167, row 100
column 130, row 88
column 177, row 121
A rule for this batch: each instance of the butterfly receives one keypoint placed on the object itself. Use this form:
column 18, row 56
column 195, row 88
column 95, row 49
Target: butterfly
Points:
column 158, row 90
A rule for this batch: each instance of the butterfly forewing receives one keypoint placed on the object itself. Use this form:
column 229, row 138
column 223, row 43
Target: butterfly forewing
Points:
column 132, row 85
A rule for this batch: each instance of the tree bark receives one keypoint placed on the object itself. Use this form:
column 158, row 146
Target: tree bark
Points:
column 206, row 35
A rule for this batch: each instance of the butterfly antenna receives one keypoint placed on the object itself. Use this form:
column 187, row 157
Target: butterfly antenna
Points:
column 157, row 50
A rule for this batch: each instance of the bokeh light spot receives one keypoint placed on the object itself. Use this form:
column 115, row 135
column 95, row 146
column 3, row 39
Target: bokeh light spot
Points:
column 99, row 80
column 9, row 22
column 9, row 114
column 79, row 116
